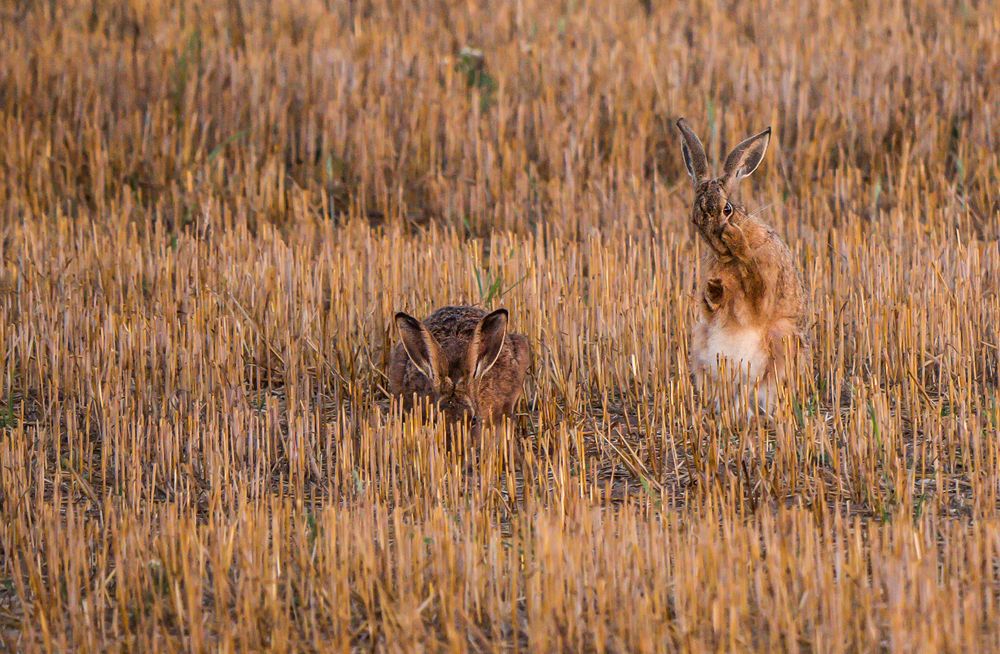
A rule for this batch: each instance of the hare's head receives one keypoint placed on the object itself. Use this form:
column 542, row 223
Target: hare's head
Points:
column 714, row 207
column 455, row 379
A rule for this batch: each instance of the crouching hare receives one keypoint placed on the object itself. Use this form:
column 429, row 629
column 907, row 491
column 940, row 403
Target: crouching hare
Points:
column 464, row 361
column 752, row 303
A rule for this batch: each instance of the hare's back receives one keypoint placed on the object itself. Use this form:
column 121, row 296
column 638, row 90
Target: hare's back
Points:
column 454, row 325
column 453, row 328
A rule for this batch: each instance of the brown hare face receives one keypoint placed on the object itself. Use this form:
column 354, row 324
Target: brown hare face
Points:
column 463, row 361
column 711, row 212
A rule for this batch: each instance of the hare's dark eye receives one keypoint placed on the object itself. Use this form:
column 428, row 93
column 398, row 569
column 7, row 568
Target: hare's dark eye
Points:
column 727, row 210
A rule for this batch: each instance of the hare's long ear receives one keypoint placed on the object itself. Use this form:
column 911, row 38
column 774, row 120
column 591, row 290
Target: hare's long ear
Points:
column 421, row 347
column 487, row 341
column 745, row 158
column 694, row 153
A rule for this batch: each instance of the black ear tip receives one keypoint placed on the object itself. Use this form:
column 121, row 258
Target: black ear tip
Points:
column 406, row 319
column 768, row 130
column 681, row 122
column 493, row 316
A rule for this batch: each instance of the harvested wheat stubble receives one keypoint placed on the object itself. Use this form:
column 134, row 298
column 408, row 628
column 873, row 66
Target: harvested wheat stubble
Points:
column 211, row 211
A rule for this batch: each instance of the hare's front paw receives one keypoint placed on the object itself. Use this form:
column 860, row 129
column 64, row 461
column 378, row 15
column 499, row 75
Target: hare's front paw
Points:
column 733, row 238
column 714, row 292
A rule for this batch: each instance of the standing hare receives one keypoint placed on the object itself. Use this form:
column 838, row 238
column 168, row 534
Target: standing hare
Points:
column 753, row 302
column 463, row 360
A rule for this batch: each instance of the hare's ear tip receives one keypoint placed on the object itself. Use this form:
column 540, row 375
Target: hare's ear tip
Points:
column 681, row 122
column 768, row 130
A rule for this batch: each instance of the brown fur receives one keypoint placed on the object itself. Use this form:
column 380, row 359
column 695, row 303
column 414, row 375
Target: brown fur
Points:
column 463, row 339
column 753, row 301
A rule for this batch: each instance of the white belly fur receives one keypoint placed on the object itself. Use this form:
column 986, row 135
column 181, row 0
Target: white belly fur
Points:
column 739, row 350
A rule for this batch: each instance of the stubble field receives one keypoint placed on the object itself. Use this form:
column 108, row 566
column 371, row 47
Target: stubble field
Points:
column 211, row 210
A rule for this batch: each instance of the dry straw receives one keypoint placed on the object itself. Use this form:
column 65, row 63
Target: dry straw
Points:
column 211, row 211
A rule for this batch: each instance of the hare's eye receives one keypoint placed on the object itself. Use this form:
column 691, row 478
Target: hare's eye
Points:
column 727, row 210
